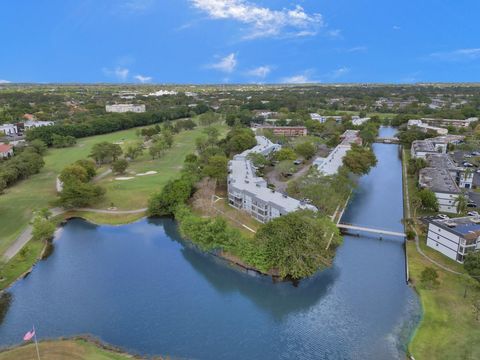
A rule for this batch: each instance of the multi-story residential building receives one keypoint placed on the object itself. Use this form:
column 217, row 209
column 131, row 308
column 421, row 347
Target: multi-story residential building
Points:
column 449, row 122
column 123, row 108
column 8, row 129
column 31, row 124
column 250, row 193
column 443, row 186
column 456, row 237
column 323, row 118
column 462, row 176
column 285, row 130
column 420, row 148
column 330, row 165
column 425, row 127
column 357, row 120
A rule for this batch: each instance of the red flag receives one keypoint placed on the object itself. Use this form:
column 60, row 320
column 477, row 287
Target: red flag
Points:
column 29, row 335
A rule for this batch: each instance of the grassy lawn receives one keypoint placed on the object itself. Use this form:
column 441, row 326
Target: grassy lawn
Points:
column 77, row 349
column 448, row 329
column 19, row 201
column 109, row 219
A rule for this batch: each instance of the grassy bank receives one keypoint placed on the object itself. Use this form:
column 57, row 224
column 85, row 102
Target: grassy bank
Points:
column 78, row 349
column 448, row 329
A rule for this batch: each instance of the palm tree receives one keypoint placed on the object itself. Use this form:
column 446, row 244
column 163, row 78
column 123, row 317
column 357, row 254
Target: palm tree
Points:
column 461, row 202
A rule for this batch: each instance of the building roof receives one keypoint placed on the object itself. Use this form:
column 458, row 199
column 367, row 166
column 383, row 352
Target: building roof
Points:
column 441, row 161
column 438, row 180
column 467, row 227
column 5, row 148
column 423, row 146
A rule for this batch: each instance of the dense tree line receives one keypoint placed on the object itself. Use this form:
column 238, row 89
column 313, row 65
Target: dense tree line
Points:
column 26, row 162
column 103, row 124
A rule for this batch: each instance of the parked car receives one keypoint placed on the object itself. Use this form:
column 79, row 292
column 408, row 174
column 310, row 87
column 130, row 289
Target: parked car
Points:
column 467, row 164
column 476, row 153
column 297, row 162
column 471, row 205
column 443, row 216
column 473, row 213
column 467, row 156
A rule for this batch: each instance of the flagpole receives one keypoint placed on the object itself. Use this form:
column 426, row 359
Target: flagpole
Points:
column 36, row 343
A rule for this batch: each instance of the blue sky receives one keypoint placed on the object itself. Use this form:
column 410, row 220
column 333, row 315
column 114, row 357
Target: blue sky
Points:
column 239, row 41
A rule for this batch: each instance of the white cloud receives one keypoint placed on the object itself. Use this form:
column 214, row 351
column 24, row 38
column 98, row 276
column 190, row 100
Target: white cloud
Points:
column 339, row 72
column 356, row 49
column 4, row 81
column 143, row 79
column 263, row 21
column 226, row 64
column 458, row 55
column 120, row 73
column 297, row 79
column 396, row 27
column 260, row 72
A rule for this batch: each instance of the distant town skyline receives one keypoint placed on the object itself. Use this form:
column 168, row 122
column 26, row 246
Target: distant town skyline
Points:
column 239, row 41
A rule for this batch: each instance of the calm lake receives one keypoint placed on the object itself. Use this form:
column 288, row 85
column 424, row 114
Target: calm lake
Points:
column 140, row 287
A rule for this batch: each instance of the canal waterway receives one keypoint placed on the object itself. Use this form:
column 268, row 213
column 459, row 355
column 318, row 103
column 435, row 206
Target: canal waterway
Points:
column 141, row 287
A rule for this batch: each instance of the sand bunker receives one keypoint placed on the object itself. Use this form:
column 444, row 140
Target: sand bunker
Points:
column 123, row 178
column 147, row 173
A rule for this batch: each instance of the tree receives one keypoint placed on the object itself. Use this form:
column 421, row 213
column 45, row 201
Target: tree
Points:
column 208, row 118
column 476, row 308
column 134, row 151
column 119, row 166
column 89, row 167
column 216, row 168
column 359, row 160
column 296, row 244
column 461, row 201
column 238, row 140
column 73, row 173
column 105, row 152
column 472, row 264
column 212, row 134
column 429, row 278
column 306, row 150
column 158, row 148
column 39, row 146
column 59, row 141
column 285, row 154
column 415, row 165
column 258, row 159
column 80, row 194
column 428, row 200
column 43, row 229
column 174, row 193
column 168, row 138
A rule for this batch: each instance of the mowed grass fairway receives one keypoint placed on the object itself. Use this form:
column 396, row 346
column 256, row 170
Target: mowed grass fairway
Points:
column 134, row 193
column 63, row 350
column 19, row 201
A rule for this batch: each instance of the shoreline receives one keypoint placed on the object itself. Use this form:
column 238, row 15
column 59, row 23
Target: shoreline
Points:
column 87, row 338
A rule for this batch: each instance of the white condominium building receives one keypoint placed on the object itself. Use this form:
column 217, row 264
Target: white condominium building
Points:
column 249, row 192
column 123, row 108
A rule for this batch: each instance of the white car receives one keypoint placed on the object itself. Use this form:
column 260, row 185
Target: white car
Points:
column 473, row 213
column 443, row 217
column 468, row 156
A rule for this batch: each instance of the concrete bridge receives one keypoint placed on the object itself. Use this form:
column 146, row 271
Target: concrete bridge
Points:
column 387, row 140
column 350, row 228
